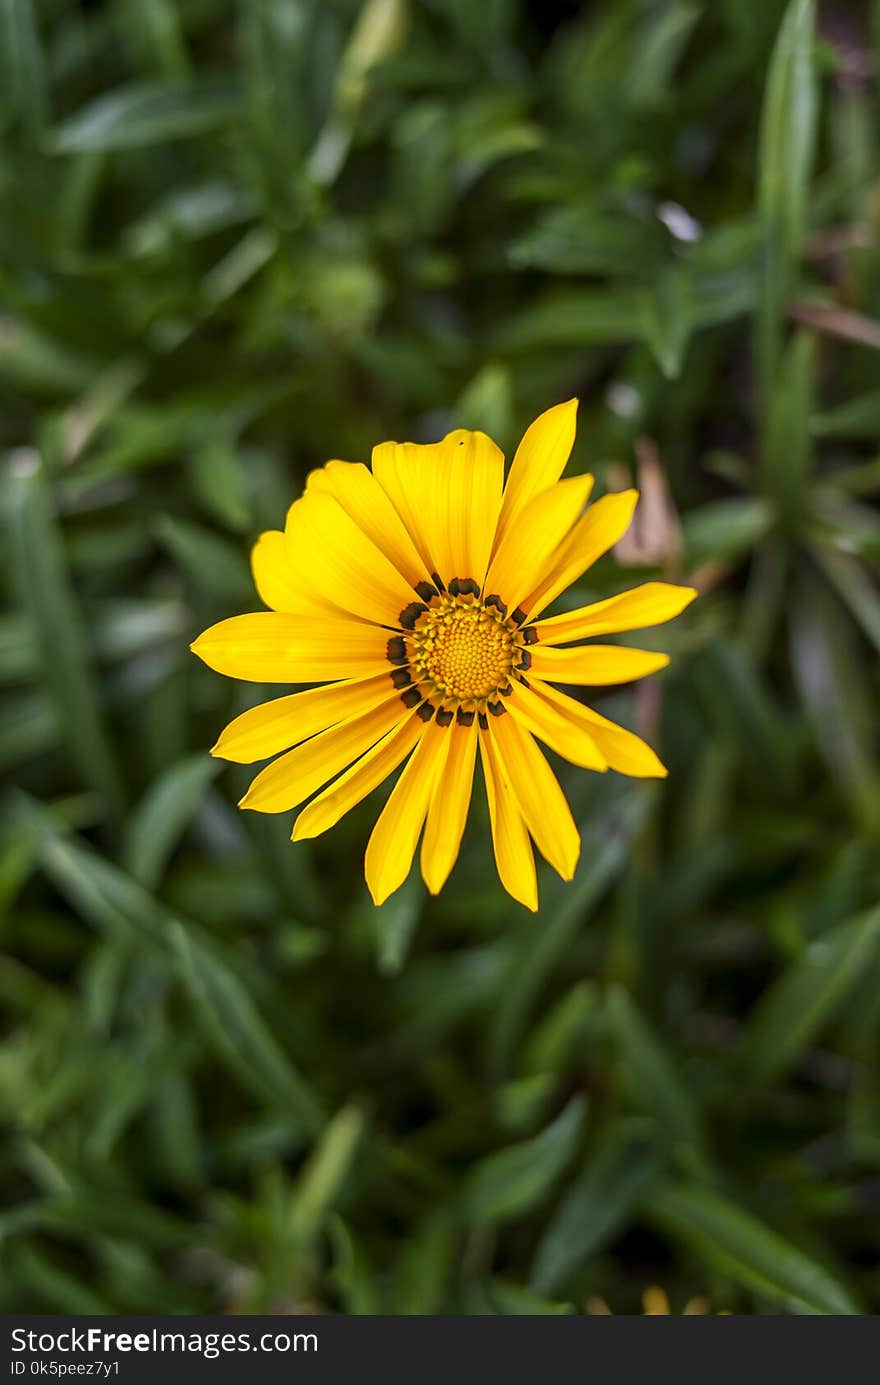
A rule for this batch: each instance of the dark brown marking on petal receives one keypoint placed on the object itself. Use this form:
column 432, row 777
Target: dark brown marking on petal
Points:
column 438, row 581
column 454, row 587
column 401, row 677
column 495, row 600
column 506, row 689
column 467, row 586
column 411, row 698
column 426, row 711
column 525, row 662
column 395, row 650
column 496, row 708
column 519, row 615
column 530, row 635
column 410, row 614
column 483, row 720
column 464, row 718
column 426, row 591
column 444, row 716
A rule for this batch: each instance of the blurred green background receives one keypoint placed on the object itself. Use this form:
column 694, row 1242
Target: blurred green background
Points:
column 236, row 240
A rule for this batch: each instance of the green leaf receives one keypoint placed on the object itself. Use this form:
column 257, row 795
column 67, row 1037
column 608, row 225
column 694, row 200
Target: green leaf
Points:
column 579, row 318
column 660, row 42
column 855, row 586
column 35, row 361
column 486, row 402
column 395, row 923
column 856, row 418
column 651, row 1073
column 785, row 159
column 95, row 887
column 788, row 451
column 533, row 958
column 509, row 1183
column 23, row 86
column 215, row 565
column 559, row 1034
column 49, row 1283
column 738, row 1244
column 517, row 1300
column 794, row 1009
column 157, row 24
column 229, row 1015
column 725, row 529
column 575, row 239
column 829, row 676
column 156, row 823
column 598, row 1203
column 46, row 594
column 325, row 1172
column 788, row 121
column 219, row 480
column 29, row 726
column 669, row 318
column 377, row 34
column 424, row 1265
column 352, row 1275
column 738, row 697
column 234, row 1024
column 135, row 116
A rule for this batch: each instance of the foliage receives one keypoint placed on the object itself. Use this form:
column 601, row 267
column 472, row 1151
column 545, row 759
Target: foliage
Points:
column 236, row 239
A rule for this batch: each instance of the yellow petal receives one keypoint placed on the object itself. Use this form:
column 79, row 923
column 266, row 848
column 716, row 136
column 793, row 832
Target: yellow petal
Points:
column 295, row 776
column 473, row 489
column 597, row 1306
column 448, row 809
column 345, row 566
column 622, row 750
column 448, row 495
column 356, row 489
column 274, row 647
column 392, row 843
column 541, row 800
column 285, row 721
column 650, row 604
column 539, row 461
column 283, row 583
column 655, row 1302
column 530, row 545
column 274, row 574
column 595, row 665
column 350, row 788
column 595, row 532
column 407, row 473
column 510, row 840
column 567, row 736
column 695, row 1307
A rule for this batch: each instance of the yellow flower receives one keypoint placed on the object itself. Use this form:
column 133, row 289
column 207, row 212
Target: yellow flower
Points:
column 414, row 593
column 655, row 1304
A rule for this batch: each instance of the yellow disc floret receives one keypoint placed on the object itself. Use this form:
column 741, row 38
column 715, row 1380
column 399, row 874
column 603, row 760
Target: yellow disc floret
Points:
column 461, row 653
column 463, row 650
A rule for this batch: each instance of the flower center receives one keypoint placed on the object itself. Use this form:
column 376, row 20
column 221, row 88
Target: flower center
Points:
column 463, row 649
column 461, row 654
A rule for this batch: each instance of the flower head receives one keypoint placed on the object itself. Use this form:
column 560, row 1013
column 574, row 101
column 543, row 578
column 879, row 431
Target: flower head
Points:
column 655, row 1304
column 412, row 594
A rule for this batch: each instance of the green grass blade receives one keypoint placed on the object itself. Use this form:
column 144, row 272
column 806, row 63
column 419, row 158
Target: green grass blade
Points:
column 792, row 1012
column 738, row 1244
column 509, row 1183
column 785, row 160
column 156, row 823
column 46, row 595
